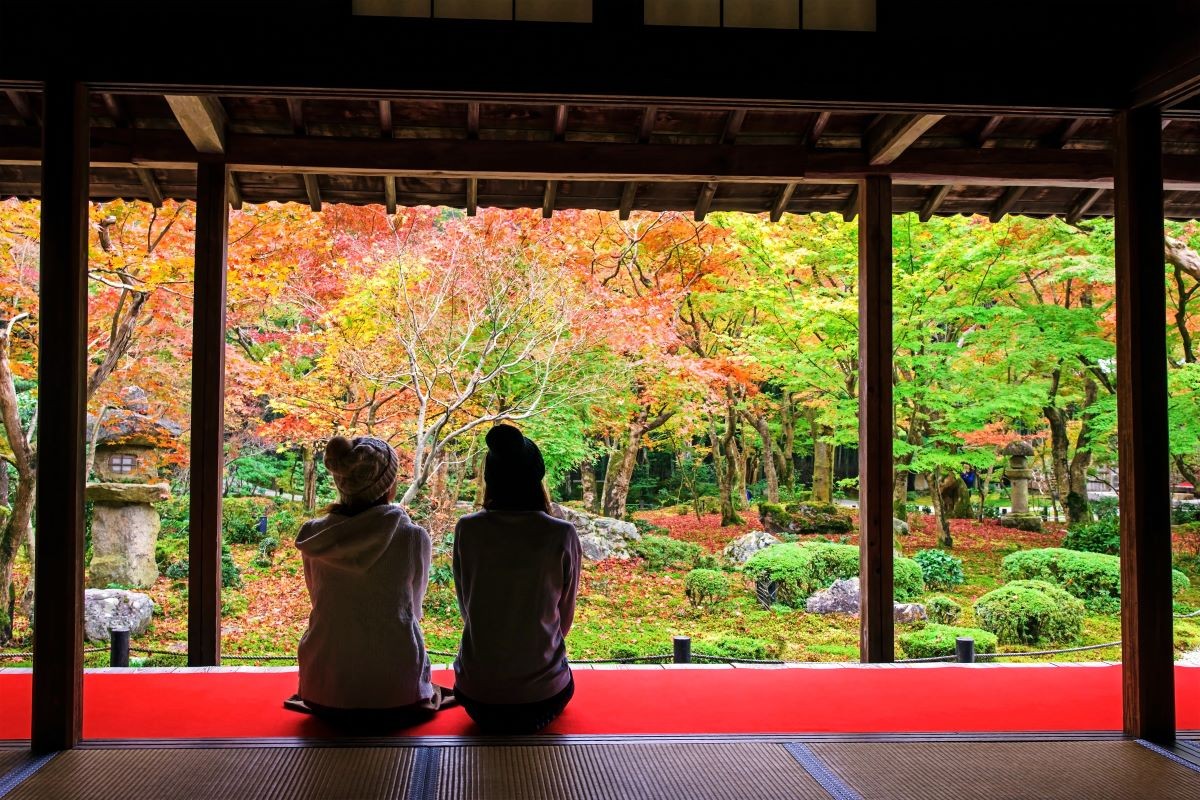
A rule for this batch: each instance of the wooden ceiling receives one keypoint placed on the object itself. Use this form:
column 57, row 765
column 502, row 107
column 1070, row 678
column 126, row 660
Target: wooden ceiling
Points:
column 600, row 155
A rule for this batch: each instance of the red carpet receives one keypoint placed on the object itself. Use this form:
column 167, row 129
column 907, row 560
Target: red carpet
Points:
column 800, row 700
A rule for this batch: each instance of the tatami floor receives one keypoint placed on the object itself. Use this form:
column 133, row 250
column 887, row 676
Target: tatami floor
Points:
column 647, row 768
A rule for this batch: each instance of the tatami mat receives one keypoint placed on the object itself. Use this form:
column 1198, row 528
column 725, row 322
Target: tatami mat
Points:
column 1119, row 770
column 349, row 773
column 700, row 771
column 11, row 759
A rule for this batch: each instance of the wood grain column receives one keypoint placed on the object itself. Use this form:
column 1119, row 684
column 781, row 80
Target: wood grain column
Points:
column 1146, row 624
column 61, row 432
column 875, row 427
column 208, row 418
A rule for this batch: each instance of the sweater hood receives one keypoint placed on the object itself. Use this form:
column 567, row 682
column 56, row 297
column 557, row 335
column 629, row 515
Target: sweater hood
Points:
column 353, row 543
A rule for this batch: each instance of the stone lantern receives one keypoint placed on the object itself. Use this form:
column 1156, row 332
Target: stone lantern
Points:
column 1019, row 473
column 125, row 524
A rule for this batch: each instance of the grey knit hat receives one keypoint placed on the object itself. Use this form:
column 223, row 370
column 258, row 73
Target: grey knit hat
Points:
column 364, row 468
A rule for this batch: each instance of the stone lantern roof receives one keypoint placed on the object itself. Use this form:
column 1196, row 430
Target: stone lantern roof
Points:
column 1018, row 447
column 131, row 423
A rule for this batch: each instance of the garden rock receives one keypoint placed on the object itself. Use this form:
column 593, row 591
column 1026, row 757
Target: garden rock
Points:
column 845, row 597
column 804, row 518
column 123, row 540
column 900, row 527
column 107, row 608
column 739, row 550
column 600, row 537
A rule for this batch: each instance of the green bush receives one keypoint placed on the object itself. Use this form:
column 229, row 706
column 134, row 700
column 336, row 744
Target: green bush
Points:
column 1094, row 578
column 284, row 522
column 178, row 570
column 648, row 528
column 1183, row 513
column 738, row 647
column 939, row 569
column 936, row 640
column 266, row 552
column 239, row 518
column 942, row 610
column 798, row 570
column 231, row 576
column 1029, row 612
column 1101, row 536
column 173, row 516
column 662, row 552
column 169, row 550
column 705, row 587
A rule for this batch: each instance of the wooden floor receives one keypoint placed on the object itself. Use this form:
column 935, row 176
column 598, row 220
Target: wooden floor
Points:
column 696, row 768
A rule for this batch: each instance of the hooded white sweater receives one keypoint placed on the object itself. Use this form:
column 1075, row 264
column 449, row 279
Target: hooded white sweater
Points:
column 366, row 576
column 516, row 573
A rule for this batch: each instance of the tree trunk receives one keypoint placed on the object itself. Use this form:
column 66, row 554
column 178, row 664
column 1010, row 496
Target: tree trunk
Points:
column 725, row 469
column 768, row 454
column 900, row 494
column 822, row 489
column 622, row 461
column 587, row 474
column 3, row 483
column 786, row 455
column 1188, row 472
column 943, row 534
column 16, row 531
column 309, row 457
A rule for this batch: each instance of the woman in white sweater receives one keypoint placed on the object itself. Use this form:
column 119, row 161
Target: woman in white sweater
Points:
column 516, row 571
column 366, row 566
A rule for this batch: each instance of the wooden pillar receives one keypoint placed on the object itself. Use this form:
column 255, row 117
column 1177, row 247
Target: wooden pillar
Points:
column 1147, row 644
column 875, row 427
column 61, row 432
column 208, row 418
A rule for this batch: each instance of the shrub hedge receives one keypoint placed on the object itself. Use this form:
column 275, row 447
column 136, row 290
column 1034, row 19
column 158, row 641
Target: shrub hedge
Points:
column 942, row 610
column 938, row 640
column 705, row 587
column 1029, row 612
column 1101, row 536
column 798, row 570
column 1094, row 578
column 939, row 569
column 736, row 647
column 662, row 552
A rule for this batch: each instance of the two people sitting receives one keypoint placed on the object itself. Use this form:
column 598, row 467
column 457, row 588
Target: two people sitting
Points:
column 366, row 566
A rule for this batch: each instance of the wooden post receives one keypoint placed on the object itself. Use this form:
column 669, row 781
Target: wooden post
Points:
column 208, row 418
column 875, row 427
column 61, row 433
column 1147, row 650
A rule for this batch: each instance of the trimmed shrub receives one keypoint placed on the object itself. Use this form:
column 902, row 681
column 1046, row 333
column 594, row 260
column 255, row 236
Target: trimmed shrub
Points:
column 231, row 576
column 1101, row 536
column 662, row 552
column 1029, row 612
column 936, row 640
column 942, row 610
column 1094, row 578
column 239, row 518
column 178, row 570
column 798, row 570
column 1183, row 513
column 705, row 586
column 736, row 647
column 939, row 569
column 266, row 552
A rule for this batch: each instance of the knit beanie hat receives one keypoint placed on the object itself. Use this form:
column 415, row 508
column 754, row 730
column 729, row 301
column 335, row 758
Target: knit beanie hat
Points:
column 363, row 468
column 512, row 459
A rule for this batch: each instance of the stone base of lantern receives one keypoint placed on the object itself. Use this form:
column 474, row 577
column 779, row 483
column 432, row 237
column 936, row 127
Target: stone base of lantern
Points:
column 1022, row 522
column 123, row 540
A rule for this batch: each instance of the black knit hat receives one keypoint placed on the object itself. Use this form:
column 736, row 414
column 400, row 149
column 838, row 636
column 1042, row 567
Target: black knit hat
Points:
column 512, row 459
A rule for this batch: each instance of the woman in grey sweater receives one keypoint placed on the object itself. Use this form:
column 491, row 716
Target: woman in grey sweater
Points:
column 516, row 571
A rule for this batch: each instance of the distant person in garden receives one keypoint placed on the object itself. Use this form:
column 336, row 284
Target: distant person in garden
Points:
column 366, row 566
column 516, row 570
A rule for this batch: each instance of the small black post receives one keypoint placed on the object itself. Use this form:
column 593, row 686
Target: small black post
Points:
column 964, row 650
column 683, row 650
column 118, row 647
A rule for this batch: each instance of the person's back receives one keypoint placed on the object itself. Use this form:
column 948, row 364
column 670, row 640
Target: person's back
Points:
column 516, row 573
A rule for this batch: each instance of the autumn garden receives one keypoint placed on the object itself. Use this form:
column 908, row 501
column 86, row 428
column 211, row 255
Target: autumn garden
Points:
column 695, row 380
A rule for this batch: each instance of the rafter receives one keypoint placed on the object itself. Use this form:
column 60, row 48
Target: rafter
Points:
column 21, row 104
column 549, row 195
column 1067, row 132
column 707, row 192
column 153, row 192
column 1083, row 203
column 930, row 207
column 850, row 207
column 892, row 134
column 233, row 192
column 820, row 123
column 202, row 119
column 628, row 196
column 781, row 201
column 389, row 194
column 560, row 121
column 630, row 189
column 385, row 119
column 733, row 125
column 296, row 113
column 1012, row 195
column 472, row 120
column 145, row 177
column 312, row 188
column 649, row 115
column 988, row 130
column 472, row 196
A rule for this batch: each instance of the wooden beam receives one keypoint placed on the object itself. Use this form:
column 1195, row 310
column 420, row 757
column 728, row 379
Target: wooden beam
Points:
column 707, row 192
column 21, row 104
column 820, row 123
column 208, row 415
column 472, row 196
column 203, row 119
column 560, row 121
column 781, row 201
column 889, row 136
column 472, row 120
column 1086, row 199
column 113, row 106
column 548, row 198
column 628, row 196
column 733, row 125
column 385, row 119
column 1147, row 627
column 389, row 194
column 1172, row 85
column 232, row 191
column 850, row 207
column 62, row 432
column 153, row 192
column 1007, row 201
column 1067, row 131
column 646, row 129
column 875, row 425
column 930, row 207
column 989, row 129
column 296, row 113
column 312, row 187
